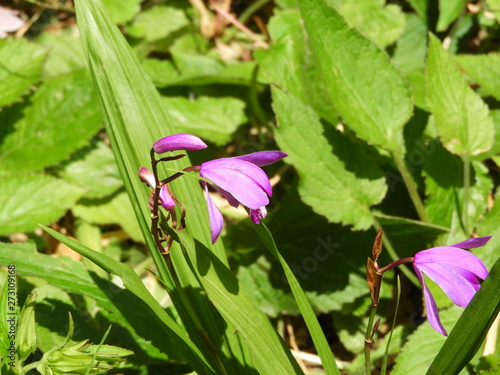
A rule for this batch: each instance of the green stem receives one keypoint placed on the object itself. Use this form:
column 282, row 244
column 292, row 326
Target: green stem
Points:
column 247, row 13
column 411, row 185
column 465, row 213
column 368, row 340
column 383, row 370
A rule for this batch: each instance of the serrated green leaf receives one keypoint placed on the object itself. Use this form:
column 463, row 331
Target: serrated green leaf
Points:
column 449, row 10
column 115, row 209
column 484, row 70
column 367, row 90
column 29, row 199
column 63, row 115
column 122, row 11
column 380, row 22
column 158, row 22
column 290, row 64
column 410, row 52
column 443, row 174
column 95, row 170
column 462, row 118
column 341, row 193
column 20, row 67
column 213, row 119
column 65, row 52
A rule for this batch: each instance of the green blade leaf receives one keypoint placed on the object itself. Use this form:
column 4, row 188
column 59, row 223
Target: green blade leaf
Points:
column 469, row 332
column 269, row 353
column 319, row 339
column 29, row 199
column 60, row 103
column 20, row 67
column 367, row 90
column 133, row 283
column 462, row 118
column 315, row 149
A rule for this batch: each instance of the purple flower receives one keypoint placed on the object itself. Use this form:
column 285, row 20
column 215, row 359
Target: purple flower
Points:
column 165, row 196
column 239, row 180
column 457, row 272
column 177, row 142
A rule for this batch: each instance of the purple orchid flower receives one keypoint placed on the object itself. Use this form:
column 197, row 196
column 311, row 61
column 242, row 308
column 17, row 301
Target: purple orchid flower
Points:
column 177, row 142
column 165, row 195
column 457, row 272
column 239, row 180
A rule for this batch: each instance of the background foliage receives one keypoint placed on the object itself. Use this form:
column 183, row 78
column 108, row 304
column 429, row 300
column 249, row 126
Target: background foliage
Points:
column 378, row 105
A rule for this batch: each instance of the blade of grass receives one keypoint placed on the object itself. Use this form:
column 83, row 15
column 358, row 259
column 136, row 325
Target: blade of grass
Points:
column 134, row 284
column 318, row 337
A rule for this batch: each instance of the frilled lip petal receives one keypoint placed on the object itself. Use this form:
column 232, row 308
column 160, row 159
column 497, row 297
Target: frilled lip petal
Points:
column 430, row 303
column 177, row 142
column 472, row 242
column 262, row 158
column 246, row 182
column 215, row 216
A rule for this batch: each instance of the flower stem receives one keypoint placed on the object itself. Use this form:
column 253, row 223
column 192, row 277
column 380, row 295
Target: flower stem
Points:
column 411, row 186
column 394, row 256
column 397, row 263
column 465, row 213
column 368, row 339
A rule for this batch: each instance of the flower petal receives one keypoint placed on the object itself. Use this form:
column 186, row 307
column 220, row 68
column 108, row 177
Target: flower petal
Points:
column 176, row 142
column 9, row 21
column 453, row 256
column 262, row 158
column 472, row 242
column 246, row 182
column 430, row 303
column 459, row 285
column 166, row 200
column 148, row 177
column 258, row 214
column 216, row 218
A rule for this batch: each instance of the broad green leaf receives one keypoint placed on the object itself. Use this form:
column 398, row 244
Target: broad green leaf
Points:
column 122, row 11
column 367, row 90
column 165, row 74
column 421, row 348
column 114, row 209
column 213, row 119
column 125, row 309
column 380, row 22
column 234, row 303
column 449, row 10
column 484, row 70
column 95, row 170
column 63, row 115
column 411, row 48
column 65, row 52
column 327, row 164
column 135, row 285
column 462, row 118
column 29, row 199
column 443, row 174
column 158, row 22
column 290, row 64
column 469, row 332
column 191, row 64
column 20, row 67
